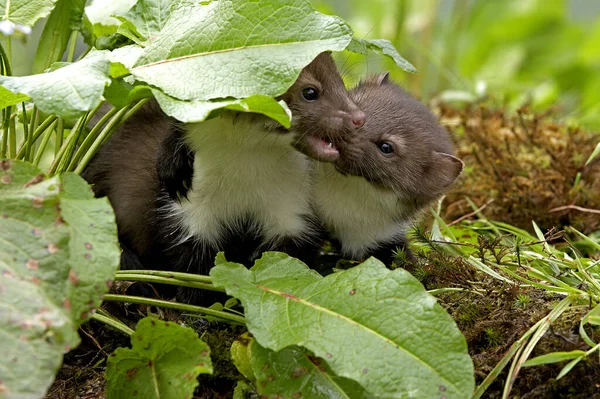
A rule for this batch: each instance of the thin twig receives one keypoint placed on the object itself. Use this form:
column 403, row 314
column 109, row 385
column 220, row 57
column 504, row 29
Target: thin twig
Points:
column 468, row 215
column 575, row 207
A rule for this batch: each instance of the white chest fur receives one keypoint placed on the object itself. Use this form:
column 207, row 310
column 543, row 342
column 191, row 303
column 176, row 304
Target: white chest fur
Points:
column 243, row 172
column 360, row 215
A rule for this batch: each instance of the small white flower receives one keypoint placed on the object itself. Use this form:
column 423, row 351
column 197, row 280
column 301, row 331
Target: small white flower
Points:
column 24, row 29
column 7, row 27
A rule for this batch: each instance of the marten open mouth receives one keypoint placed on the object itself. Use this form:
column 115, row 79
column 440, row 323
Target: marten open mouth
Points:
column 319, row 148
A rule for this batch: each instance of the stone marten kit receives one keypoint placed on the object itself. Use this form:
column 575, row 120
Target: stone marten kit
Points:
column 354, row 167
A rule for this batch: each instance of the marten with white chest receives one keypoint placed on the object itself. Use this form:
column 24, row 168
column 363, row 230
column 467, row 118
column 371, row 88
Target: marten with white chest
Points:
column 384, row 173
column 234, row 183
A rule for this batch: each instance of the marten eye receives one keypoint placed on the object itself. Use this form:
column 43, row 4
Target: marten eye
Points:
column 310, row 94
column 385, row 147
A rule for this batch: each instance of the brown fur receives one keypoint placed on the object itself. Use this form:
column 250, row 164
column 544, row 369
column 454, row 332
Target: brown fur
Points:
column 421, row 166
column 125, row 171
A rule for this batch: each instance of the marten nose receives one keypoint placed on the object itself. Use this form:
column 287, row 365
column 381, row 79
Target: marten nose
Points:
column 358, row 118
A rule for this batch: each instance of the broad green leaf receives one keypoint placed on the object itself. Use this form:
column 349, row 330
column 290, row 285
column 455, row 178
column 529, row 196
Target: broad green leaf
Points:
column 408, row 343
column 164, row 361
column 69, row 91
column 47, row 284
column 197, row 111
column 554, row 357
column 380, row 46
column 237, row 48
column 295, row 373
column 65, row 18
column 149, row 16
column 94, row 251
column 25, row 12
column 8, row 98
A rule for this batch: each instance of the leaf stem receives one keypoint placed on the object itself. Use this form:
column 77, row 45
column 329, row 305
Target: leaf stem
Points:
column 7, row 112
column 60, row 131
column 176, row 275
column 59, row 159
column 12, row 134
column 106, row 132
column 118, row 119
column 26, row 139
column 113, row 323
column 174, row 305
column 33, row 123
column 166, row 280
column 36, row 135
column 8, row 55
column 90, row 138
column 44, row 143
column 72, row 45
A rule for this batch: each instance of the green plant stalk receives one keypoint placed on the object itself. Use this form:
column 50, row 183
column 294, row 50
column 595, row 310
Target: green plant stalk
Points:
column 60, row 131
column 6, row 63
column 12, row 135
column 72, row 45
column 113, row 323
column 44, row 143
column 70, row 143
column 8, row 54
column 106, row 132
column 92, row 112
column 66, row 159
column 4, row 144
column 174, row 305
column 164, row 280
column 26, row 139
column 36, row 134
column 176, row 275
column 537, row 335
column 34, row 122
column 87, row 142
column 118, row 119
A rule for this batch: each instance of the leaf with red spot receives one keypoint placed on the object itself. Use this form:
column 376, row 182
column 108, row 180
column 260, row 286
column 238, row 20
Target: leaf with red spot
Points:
column 164, row 361
column 40, row 268
column 375, row 326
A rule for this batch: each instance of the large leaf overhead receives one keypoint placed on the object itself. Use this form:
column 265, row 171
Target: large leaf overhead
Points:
column 237, row 48
column 197, row 111
column 25, row 12
column 372, row 325
column 68, row 91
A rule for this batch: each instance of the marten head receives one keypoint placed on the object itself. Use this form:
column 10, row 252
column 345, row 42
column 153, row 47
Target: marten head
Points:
column 401, row 146
column 321, row 109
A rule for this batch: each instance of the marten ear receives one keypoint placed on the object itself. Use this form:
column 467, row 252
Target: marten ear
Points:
column 447, row 169
column 383, row 78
